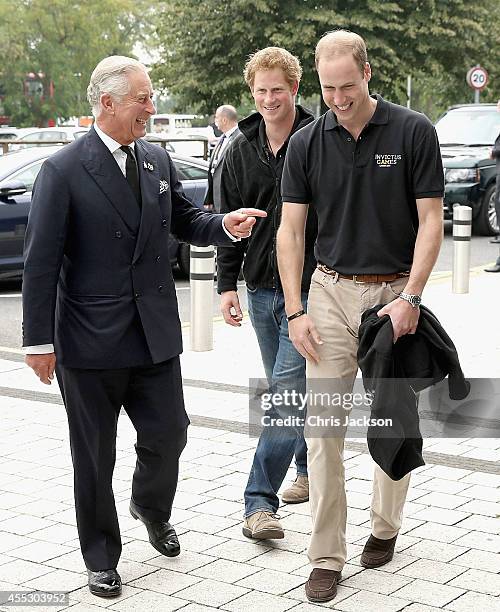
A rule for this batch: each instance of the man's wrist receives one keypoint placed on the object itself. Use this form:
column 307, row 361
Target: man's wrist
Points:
column 289, row 311
column 296, row 315
column 413, row 299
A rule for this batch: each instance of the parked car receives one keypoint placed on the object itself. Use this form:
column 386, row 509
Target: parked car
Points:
column 466, row 134
column 18, row 171
column 8, row 133
column 37, row 137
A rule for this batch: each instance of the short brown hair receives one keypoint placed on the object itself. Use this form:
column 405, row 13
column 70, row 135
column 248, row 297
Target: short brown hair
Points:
column 342, row 42
column 273, row 57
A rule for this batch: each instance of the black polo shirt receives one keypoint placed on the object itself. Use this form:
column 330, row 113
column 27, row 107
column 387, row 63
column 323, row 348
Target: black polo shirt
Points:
column 364, row 191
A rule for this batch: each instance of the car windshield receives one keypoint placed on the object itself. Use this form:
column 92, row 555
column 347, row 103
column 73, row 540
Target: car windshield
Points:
column 465, row 126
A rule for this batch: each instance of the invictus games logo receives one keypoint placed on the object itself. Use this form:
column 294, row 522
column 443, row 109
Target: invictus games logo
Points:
column 386, row 160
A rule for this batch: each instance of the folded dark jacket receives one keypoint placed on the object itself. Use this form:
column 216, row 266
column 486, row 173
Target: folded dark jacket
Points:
column 394, row 373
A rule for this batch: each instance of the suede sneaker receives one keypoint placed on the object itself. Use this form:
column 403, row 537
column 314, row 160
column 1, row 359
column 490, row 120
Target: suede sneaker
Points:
column 263, row 526
column 298, row 492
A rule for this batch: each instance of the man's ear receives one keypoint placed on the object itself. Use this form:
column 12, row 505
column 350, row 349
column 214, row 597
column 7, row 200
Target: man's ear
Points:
column 108, row 104
column 367, row 73
column 295, row 88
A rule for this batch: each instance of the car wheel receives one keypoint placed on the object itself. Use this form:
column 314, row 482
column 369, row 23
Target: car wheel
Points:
column 183, row 258
column 486, row 222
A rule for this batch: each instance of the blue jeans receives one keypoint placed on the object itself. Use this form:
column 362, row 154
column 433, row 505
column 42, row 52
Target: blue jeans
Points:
column 285, row 369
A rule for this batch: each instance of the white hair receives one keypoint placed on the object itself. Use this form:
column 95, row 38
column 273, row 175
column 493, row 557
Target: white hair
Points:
column 111, row 76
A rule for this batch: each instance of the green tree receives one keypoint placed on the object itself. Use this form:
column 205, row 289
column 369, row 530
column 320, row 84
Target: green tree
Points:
column 60, row 42
column 204, row 45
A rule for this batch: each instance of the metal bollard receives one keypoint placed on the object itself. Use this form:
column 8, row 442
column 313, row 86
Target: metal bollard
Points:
column 462, row 226
column 201, row 278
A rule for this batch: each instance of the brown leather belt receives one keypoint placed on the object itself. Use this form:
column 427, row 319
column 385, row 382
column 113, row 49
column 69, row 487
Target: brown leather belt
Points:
column 364, row 278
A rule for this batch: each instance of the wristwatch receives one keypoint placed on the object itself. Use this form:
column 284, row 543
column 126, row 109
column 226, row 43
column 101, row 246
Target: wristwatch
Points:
column 414, row 300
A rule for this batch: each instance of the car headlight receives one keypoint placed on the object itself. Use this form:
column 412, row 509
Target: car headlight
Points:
column 461, row 175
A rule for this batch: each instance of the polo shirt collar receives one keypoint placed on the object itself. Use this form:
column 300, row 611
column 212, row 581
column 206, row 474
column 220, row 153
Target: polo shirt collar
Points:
column 380, row 116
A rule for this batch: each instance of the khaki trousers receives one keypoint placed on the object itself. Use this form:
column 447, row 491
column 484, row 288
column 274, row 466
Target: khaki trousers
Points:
column 335, row 306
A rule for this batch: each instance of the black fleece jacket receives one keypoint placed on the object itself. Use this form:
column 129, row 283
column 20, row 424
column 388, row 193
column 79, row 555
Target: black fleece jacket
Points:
column 396, row 372
column 250, row 179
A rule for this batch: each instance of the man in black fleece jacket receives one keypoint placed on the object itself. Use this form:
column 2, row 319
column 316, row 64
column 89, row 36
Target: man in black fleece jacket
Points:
column 252, row 173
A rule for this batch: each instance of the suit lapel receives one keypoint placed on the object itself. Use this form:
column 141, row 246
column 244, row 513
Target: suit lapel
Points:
column 221, row 154
column 102, row 167
column 149, row 178
column 214, row 158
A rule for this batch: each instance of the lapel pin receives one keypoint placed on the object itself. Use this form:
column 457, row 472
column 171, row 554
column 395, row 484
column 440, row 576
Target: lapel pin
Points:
column 148, row 166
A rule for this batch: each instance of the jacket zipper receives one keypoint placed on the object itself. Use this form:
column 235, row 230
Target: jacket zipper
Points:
column 274, row 260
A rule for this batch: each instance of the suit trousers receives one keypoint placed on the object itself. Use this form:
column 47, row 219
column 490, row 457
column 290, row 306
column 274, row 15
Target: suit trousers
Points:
column 153, row 399
column 335, row 306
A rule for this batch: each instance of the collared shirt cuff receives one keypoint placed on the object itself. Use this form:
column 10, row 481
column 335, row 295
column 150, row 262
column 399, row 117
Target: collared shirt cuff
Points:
column 233, row 238
column 39, row 349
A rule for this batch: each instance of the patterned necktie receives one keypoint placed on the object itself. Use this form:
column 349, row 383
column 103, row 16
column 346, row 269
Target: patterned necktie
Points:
column 132, row 174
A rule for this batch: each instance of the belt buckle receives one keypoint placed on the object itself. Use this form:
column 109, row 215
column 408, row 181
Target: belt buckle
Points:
column 356, row 281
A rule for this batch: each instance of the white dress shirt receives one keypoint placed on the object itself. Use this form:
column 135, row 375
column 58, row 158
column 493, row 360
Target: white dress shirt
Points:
column 114, row 148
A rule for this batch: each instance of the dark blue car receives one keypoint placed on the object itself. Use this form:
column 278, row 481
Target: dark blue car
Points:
column 18, row 171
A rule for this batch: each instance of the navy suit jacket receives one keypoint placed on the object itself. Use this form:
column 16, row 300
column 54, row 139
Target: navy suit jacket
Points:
column 97, row 279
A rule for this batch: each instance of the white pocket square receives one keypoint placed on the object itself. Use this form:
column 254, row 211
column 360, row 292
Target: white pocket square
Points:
column 163, row 186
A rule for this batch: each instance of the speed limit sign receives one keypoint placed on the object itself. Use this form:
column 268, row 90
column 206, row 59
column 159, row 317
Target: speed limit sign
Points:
column 477, row 78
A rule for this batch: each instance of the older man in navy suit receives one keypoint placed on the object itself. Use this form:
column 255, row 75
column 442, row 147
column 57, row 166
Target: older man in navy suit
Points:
column 100, row 308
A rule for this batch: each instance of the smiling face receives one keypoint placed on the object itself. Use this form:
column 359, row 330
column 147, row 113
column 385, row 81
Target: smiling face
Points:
column 345, row 88
column 274, row 96
column 125, row 120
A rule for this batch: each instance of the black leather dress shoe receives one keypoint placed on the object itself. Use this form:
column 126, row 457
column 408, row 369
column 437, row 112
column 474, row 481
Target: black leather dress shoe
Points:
column 162, row 535
column 106, row 583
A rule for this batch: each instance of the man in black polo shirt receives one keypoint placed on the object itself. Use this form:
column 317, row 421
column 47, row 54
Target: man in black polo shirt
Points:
column 373, row 173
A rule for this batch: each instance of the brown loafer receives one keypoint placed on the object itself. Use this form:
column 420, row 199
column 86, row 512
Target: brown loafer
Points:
column 377, row 552
column 322, row 585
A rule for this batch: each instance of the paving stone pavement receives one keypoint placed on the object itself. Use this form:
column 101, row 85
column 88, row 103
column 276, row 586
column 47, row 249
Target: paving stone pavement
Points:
column 447, row 555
